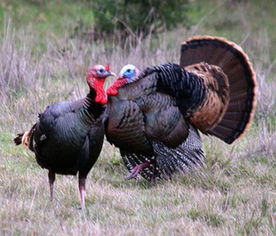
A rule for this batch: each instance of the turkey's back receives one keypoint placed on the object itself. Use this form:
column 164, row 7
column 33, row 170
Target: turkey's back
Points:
column 140, row 114
column 62, row 140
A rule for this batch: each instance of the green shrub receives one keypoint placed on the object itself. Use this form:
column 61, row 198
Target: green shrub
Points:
column 137, row 17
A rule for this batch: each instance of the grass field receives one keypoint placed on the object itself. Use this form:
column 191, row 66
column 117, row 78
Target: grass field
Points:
column 235, row 194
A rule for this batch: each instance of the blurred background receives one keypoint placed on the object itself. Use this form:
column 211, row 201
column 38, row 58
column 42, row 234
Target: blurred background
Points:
column 45, row 42
column 46, row 47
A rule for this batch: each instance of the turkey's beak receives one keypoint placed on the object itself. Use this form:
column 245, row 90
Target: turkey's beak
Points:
column 113, row 74
column 121, row 77
column 110, row 73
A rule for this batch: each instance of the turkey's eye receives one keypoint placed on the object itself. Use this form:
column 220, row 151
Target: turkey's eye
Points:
column 128, row 70
column 101, row 70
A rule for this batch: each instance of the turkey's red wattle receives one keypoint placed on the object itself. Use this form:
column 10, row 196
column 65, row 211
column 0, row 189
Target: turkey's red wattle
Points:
column 98, row 85
column 113, row 89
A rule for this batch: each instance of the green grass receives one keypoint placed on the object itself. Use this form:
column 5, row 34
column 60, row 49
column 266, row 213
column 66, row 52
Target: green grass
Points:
column 245, row 23
column 48, row 18
column 233, row 195
column 191, row 204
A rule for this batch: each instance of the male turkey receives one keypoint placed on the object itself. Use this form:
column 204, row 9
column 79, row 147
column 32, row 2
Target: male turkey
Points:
column 154, row 117
column 68, row 137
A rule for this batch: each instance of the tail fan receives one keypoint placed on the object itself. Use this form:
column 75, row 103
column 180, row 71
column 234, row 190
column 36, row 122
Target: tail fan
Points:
column 168, row 161
column 243, row 86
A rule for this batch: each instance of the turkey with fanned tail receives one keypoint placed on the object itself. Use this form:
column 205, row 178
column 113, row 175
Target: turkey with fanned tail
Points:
column 68, row 137
column 154, row 116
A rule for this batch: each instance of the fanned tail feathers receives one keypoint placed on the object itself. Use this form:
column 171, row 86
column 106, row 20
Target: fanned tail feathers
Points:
column 168, row 161
column 241, row 77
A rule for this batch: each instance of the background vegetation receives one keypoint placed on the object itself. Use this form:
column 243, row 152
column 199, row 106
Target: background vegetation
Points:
column 45, row 49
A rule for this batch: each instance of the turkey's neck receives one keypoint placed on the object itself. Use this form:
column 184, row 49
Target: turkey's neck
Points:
column 92, row 109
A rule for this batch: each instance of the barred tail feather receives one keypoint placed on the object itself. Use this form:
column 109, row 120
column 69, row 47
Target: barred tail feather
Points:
column 25, row 138
column 168, row 161
column 18, row 139
column 22, row 138
column 243, row 86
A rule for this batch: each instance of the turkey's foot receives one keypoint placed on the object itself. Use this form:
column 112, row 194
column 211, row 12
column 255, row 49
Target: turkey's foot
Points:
column 137, row 169
column 51, row 177
column 153, row 178
column 82, row 191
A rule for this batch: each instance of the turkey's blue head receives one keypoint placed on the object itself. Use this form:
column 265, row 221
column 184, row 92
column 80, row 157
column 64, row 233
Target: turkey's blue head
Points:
column 128, row 74
column 95, row 78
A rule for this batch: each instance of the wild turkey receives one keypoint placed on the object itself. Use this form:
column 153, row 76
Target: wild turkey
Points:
column 68, row 137
column 154, row 117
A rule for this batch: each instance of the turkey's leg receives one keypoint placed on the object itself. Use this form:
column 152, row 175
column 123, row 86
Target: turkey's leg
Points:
column 82, row 191
column 137, row 169
column 153, row 178
column 51, row 177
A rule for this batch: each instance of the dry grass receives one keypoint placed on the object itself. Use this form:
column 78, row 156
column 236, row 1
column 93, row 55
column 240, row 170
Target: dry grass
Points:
column 234, row 195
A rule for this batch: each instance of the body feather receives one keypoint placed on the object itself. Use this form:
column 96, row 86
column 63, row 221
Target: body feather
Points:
column 60, row 134
column 68, row 136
